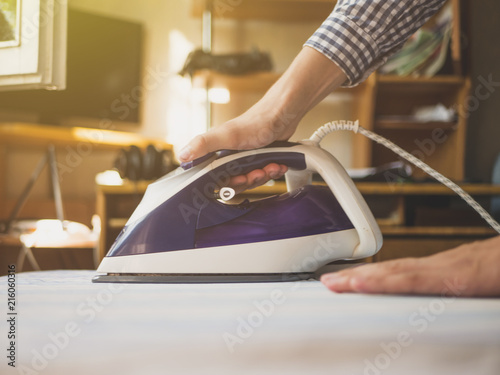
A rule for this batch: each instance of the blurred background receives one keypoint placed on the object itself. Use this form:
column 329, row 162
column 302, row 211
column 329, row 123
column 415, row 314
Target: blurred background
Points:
column 123, row 89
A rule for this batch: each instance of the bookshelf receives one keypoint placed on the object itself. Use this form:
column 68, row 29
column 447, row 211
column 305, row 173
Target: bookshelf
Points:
column 376, row 102
column 439, row 144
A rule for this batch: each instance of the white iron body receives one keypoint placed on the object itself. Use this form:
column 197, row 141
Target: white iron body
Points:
column 301, row 254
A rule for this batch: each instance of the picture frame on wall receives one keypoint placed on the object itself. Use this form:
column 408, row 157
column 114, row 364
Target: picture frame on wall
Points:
column 33, row 49
column 10, row 25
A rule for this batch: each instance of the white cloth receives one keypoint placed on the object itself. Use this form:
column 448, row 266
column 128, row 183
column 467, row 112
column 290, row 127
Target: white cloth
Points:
column 67, row 325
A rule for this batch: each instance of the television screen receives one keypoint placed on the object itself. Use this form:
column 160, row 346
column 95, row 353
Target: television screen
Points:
column 103, row 72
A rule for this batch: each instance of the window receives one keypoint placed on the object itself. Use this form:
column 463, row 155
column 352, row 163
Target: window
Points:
column 33, row 44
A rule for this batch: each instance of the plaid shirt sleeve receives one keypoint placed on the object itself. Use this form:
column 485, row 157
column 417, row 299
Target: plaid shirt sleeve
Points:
column 359, row 35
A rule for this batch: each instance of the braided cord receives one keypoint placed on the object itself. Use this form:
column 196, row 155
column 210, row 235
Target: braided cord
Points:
column 354, row 126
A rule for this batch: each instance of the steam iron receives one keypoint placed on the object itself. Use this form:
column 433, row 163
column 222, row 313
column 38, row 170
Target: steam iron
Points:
column 183, row 232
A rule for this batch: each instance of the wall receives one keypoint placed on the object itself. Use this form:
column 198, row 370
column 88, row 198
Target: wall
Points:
column 169, row 36
column 171, row 111
column 483, row 141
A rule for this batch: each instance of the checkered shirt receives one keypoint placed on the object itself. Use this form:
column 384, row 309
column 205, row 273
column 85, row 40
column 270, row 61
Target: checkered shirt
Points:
column 359, row 35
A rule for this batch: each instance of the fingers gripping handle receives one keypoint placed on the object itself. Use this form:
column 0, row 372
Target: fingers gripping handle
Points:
column 249, row 156
column 261, row 158
column 218, row 172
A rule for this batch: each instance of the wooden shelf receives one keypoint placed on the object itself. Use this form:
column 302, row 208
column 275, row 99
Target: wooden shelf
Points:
column 418, row 85
column 366, row 188
column 382, row 188
column 117, row 222
column 387, row 124
column 128, row 187
column 24, row 134
column 439, row 80
column 437, row 231
column 396, row 234
column 272, row 10
column 9, row 240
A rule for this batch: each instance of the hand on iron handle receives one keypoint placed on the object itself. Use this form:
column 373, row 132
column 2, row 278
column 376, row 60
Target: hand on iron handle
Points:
column 256, row 128
column 469, row 270
column 310, row 77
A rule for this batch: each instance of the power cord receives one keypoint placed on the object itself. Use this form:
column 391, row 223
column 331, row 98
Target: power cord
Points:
column 356, row 128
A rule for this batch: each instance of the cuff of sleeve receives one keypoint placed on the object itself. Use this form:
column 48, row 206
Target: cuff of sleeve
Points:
column 347, row 45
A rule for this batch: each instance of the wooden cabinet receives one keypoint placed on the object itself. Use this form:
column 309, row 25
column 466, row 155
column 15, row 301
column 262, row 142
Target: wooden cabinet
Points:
column 439, row 144
column 417, row 219
column 401, row 210
column 115, row 204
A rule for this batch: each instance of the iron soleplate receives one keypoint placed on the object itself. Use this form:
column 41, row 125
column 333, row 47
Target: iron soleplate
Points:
column 193, row 278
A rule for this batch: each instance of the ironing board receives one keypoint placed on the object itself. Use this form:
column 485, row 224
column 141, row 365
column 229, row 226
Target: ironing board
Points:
column 67, row 325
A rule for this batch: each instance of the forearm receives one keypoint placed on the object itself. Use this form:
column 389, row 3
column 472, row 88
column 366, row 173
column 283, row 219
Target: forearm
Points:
column 309, row 79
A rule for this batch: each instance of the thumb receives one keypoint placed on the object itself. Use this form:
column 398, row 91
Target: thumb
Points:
column 213, row 140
